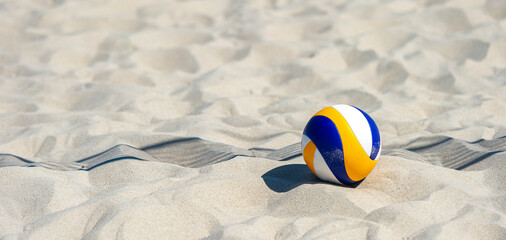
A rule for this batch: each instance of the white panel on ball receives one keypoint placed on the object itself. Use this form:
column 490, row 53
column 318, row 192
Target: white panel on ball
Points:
column 305, row 140
column 321, row 168
column 358, row 124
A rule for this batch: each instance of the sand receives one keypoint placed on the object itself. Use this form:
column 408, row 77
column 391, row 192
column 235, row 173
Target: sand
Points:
column 181, row 119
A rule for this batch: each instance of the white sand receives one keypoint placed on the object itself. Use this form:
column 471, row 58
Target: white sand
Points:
column 78, row 78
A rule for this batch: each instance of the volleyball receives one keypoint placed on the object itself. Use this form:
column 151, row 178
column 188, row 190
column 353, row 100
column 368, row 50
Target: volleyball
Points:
column 341, row 144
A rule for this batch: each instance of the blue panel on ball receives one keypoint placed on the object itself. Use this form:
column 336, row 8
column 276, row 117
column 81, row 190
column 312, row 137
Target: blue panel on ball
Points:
column 375, row 135
column 324, row 134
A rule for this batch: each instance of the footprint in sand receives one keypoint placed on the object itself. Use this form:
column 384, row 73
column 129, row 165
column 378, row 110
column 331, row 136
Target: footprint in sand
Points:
column 496, row 9
column 176, row 59
column 263, row 55
column 390, row 74
column 446, row 20
column 385, row 41
column 66, row 60
column 295, row 31
column 156, row 39
column 459, row 50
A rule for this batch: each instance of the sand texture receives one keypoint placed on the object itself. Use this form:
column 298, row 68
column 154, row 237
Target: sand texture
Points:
column 159, row 119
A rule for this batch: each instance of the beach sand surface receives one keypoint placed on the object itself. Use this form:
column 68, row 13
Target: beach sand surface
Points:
column 157, row 119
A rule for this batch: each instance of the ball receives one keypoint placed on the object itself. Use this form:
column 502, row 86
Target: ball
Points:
column 341, row 144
